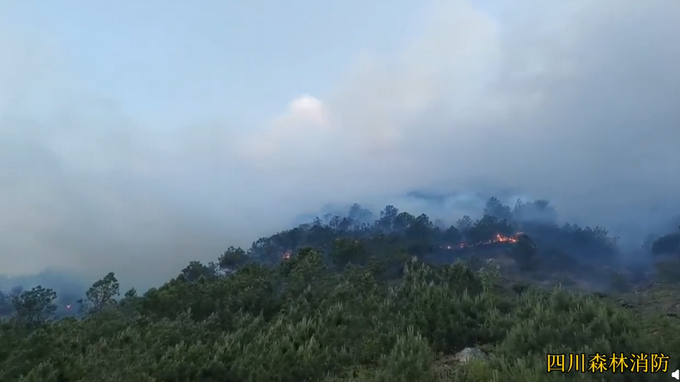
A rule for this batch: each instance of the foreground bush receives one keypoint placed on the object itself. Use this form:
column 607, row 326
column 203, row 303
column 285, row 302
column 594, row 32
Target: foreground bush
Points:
column 301, row 321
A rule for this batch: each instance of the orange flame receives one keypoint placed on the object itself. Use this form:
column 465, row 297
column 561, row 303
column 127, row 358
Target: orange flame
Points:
column 498, row 238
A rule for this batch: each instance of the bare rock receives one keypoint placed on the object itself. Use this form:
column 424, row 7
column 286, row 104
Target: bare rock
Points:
column 469, row 354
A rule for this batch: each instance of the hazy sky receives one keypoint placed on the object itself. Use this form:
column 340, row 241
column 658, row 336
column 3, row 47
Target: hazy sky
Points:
column 138, row 135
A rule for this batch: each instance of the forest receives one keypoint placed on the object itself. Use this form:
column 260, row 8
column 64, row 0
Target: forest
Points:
column 363, row 297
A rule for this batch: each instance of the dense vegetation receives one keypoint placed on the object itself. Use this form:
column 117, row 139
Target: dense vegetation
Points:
column 347, row 299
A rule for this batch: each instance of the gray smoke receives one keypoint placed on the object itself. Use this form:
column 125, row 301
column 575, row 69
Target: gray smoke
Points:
column 575, row 102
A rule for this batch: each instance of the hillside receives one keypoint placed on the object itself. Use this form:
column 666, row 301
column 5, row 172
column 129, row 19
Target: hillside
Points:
column 358, row 298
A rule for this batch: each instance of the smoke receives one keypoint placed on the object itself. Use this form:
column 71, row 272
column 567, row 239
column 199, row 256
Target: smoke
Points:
column 65, row 284
column 575, row 103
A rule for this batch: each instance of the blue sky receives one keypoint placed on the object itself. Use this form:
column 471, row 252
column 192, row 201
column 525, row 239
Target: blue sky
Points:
column 133, row 131
column 241, row 59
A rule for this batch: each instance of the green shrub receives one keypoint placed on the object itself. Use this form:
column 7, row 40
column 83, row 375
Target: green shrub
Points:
column 301, row 321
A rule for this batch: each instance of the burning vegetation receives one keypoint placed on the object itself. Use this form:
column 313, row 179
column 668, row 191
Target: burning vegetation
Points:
column 498, row 238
